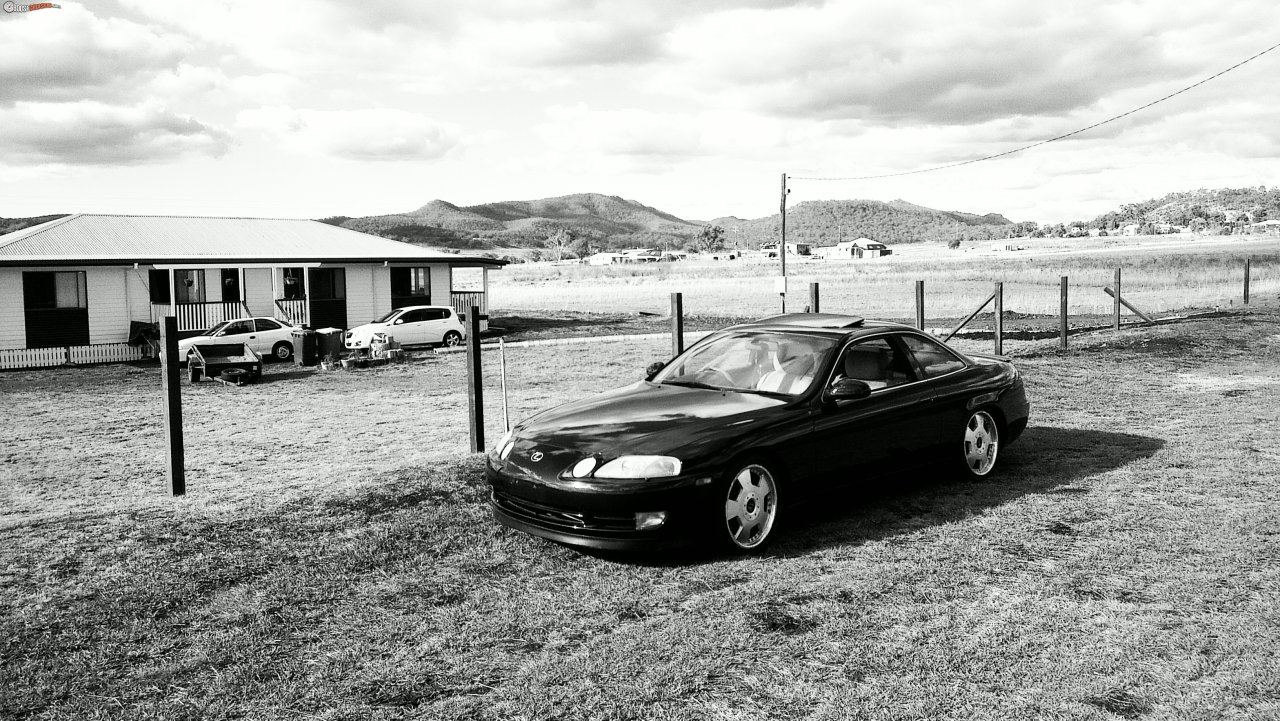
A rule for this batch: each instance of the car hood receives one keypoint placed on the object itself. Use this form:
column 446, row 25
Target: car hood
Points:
column 367, row 329
column 645, row 418
column 188, row 342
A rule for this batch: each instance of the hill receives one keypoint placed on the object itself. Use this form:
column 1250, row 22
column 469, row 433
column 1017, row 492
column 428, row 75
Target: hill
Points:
column 827, row 222
column 606, row 221
column 1215, row 211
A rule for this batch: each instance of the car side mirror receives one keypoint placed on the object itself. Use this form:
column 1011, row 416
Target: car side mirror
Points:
column 398, row 321
column 847, row 389
column 653, row 369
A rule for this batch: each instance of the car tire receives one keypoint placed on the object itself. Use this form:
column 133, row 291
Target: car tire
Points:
column 235, row 375
column 452, row 338
column 282, row 351
column 981, row 444
column 747, row 512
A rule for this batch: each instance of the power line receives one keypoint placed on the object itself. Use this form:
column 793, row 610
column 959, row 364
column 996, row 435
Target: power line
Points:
column 1060, row 137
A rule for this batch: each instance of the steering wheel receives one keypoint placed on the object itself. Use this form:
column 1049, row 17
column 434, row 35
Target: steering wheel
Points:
column 728, row 379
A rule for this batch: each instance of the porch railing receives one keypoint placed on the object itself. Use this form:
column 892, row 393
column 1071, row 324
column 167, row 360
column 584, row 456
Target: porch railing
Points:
column 293, row 312
column 199, row 316
column 462, row 300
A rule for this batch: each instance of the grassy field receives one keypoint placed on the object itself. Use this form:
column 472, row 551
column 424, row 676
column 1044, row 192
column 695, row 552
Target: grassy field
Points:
column 334, row 558
column 1159, row 275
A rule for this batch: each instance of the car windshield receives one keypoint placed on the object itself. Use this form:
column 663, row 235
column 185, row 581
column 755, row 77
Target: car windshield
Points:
column 387, row 317
column 779, row 363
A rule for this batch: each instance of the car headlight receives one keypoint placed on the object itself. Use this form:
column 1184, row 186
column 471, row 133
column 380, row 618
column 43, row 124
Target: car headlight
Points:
column 640, row 467
column 503, row 447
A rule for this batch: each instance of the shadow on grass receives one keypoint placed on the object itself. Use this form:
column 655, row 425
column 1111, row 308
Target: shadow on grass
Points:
column 884, row 505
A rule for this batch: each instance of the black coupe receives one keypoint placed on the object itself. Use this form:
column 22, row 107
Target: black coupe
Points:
column 731, row 433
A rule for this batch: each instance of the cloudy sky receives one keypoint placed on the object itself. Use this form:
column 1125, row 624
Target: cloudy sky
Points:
column 286, row 108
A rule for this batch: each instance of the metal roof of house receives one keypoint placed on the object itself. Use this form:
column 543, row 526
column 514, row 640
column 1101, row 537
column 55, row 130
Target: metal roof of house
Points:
column 84, row 239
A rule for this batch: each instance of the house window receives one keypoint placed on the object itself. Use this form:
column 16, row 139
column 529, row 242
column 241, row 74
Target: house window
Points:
column 55, row 305
column 328, row 284
column 159, row 282
column 63, row 289
column 410, row 286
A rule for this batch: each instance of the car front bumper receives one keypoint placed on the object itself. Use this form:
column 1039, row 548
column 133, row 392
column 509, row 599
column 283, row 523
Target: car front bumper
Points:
column 603, row 517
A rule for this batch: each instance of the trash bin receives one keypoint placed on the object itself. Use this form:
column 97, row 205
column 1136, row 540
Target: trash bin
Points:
column 304, row 347
column 330, row 342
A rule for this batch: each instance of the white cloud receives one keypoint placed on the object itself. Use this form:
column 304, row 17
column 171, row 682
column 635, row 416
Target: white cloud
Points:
column 72, row 54
column 381, row 134
column 93, row 133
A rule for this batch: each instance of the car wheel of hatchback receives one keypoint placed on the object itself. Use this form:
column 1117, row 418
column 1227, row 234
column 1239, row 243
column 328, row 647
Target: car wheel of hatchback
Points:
column 453, row 338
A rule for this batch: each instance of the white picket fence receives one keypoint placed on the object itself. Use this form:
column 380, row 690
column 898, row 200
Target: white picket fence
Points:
column 15, row 358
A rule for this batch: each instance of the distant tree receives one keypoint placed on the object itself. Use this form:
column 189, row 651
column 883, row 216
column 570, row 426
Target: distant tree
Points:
column 561, row 240
column 710, row 239
column 581, row 246
column 953, row 244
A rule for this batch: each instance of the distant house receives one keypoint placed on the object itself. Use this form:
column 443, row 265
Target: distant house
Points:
column 608, row 259
column 770, row 250
column 82, row 281
column 1266, row 226
column 860, row 248
column 1130, row 229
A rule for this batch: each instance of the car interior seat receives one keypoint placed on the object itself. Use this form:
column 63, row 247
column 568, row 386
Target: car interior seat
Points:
column 867, row 364
column 792, row 375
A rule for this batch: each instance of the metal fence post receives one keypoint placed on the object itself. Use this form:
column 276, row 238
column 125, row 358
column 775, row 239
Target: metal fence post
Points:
column 1115, row 317
column 1247, row 262
column 475, row 381
column 677, row 324
column 176, row 470
column 920, row 304
column 813, row 298
column 999, row 318
column 1062, row 314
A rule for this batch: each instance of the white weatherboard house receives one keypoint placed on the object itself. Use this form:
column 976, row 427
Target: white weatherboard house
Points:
column 70, row 288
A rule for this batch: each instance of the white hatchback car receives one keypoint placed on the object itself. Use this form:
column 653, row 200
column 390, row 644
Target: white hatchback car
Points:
column 411, row 325
column 271, row 338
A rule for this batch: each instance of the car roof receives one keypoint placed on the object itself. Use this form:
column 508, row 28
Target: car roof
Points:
column 419, row 307
column 834, row 325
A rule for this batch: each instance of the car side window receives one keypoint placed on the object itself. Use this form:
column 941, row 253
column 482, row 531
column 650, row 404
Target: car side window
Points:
column 410, row 316
column 265, row 324
column 238, row 327
column 876, row 362
column 933, row 358
column 435, row 314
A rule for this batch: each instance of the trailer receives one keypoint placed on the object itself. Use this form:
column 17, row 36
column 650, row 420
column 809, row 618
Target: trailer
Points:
column 233, row 363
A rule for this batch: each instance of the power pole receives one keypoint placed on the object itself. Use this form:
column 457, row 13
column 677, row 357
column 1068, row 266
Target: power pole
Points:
column 782, row 246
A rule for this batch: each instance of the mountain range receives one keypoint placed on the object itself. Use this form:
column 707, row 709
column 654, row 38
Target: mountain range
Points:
column 522, row 228
column 609, row 222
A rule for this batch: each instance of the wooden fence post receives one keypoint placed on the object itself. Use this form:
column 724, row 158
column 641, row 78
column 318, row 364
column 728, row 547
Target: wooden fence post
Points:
column 999, row 318
column 677, row 324
column 176, row 471
column 475, row 381
column 1115, row 312
column 920, row 304
column 813, row 298
column 1062, row 315
column 1247, row 262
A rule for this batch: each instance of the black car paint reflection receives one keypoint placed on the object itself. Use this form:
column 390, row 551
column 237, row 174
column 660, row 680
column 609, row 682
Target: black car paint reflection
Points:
column 720, row 419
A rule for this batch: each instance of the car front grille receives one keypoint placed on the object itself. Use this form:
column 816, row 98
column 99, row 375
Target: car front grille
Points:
column 544, row 515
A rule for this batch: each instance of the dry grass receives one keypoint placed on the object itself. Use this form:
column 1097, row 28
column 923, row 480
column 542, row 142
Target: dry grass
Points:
column 1157, row 277
column 335, row 558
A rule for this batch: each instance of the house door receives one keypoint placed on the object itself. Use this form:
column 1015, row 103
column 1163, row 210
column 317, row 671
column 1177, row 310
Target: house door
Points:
column 328, row 297
column 231, row 285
